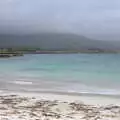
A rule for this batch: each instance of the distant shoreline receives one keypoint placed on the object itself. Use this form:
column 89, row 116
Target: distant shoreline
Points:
column 10, row 52
column 69, row 52
column 55, row 52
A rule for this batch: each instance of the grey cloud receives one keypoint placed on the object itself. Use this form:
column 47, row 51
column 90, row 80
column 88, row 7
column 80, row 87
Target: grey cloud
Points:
column 93, row 18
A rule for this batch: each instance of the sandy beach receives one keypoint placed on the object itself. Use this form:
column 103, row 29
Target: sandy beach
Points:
column 49, row 106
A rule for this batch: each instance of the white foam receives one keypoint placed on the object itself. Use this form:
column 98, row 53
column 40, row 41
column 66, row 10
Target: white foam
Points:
column 23, row 83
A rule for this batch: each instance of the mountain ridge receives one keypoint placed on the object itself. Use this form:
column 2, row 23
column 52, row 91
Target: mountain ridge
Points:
column 57, row 41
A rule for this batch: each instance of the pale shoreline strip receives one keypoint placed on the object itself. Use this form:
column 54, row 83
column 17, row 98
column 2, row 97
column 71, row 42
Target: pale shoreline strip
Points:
column 87, row 99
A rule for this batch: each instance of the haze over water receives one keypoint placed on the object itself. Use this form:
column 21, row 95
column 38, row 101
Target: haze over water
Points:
column 80, row 73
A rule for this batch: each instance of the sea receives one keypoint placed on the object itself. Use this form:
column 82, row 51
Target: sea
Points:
column 65, row 73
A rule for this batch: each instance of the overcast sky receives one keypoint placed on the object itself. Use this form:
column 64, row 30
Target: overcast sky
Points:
column 99, row 19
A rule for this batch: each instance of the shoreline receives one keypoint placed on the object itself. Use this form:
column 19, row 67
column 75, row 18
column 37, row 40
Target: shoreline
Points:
column 93, row 99
column 113, row 94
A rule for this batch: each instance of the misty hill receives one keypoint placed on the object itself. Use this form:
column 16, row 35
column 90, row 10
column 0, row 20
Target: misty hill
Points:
column 55, row 41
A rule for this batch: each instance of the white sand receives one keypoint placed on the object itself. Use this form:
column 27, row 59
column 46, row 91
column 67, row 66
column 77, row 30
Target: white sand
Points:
column 91, row 107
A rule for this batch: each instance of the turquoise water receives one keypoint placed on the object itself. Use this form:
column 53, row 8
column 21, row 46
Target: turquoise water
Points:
column 88, row 73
